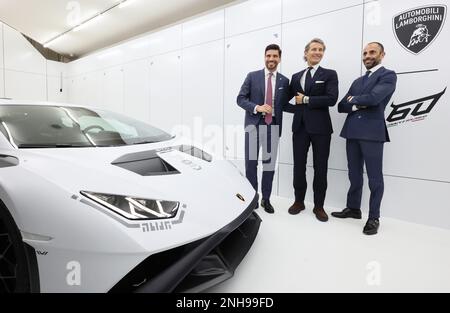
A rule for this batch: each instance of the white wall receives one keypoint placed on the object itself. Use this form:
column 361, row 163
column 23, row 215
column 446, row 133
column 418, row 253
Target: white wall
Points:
column 202, row 94
column 2, row 83
column 137, row 89
column 165, row 90
column 57, row 84
column 25, row 73
column 405, row 157
column 86, row 89
column 2, row 71
column 190, row 74
column 25, row 68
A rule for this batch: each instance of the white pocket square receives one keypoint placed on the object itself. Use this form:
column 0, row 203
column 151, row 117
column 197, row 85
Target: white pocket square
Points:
column 280, row 88
column 320, row 82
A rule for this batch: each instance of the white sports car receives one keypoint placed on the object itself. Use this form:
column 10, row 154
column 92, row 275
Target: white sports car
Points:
column 93, row 201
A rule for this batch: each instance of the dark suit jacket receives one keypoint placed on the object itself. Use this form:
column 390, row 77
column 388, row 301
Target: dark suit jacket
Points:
column 253, row 93
column 370, row 123
column 323, row 95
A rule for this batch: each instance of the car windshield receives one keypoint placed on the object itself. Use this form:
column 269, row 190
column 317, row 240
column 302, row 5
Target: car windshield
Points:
column 31, row 126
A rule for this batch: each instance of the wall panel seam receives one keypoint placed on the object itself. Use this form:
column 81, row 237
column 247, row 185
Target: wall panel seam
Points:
column 323, row 13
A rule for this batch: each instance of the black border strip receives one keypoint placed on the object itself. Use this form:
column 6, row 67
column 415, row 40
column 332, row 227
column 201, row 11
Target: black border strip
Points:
column 415, row 72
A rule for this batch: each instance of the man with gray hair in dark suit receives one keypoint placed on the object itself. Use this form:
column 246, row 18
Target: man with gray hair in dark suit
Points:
column 315, row 90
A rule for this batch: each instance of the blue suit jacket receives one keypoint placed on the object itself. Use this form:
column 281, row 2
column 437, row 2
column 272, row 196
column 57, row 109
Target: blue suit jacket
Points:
column 368, row 124
column 253, row 93
column 323, row 95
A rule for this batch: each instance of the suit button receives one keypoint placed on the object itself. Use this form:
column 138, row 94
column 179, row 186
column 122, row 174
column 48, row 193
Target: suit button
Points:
column 359, row 116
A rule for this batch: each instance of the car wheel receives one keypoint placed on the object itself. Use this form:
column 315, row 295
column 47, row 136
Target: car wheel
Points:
column 14, row 269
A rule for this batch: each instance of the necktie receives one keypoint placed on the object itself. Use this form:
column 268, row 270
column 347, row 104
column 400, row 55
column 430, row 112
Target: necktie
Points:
column 366, row 78
column 308, row 81
column 269, row 98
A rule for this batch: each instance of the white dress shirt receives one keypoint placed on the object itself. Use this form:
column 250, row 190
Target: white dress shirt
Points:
column 374, row 69
column 303, row 81
column 313, row 72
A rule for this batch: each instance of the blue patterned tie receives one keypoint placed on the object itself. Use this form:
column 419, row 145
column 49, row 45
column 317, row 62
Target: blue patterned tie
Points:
column 366, row 78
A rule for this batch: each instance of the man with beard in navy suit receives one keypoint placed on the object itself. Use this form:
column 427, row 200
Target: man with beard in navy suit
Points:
column 366, row 132
column 264, row 97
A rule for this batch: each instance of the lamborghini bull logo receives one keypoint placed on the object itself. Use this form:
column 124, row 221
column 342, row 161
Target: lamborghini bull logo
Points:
column 416, row 29
column 420, row 35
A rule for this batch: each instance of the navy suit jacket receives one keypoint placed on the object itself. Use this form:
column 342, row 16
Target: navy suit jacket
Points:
column 368, row 124
column 253, row 93
column 323, row 95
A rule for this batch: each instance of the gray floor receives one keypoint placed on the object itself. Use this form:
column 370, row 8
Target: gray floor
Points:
column 301, row 254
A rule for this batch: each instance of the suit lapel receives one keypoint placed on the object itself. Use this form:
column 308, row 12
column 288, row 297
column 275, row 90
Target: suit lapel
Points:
column 279, row 79
column 372, row 79
column 262, row 83
column 317, row 75
column 299, row 81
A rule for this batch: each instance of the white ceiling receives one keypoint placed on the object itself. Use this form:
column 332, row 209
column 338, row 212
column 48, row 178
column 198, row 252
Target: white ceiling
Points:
column 43, row 20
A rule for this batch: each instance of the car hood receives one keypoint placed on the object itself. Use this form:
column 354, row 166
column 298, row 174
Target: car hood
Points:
column 208, row 190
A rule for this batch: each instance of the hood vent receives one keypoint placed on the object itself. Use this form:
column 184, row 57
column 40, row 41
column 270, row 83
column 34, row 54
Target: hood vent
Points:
column 146, row 163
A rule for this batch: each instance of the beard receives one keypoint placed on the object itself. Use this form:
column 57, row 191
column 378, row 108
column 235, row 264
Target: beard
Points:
column 371, row 64
column 271, row 65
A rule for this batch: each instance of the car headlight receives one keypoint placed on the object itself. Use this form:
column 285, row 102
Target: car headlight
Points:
column 135, row 208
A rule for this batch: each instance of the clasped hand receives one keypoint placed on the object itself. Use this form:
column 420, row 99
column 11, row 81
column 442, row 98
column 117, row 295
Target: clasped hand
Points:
column 265, row 108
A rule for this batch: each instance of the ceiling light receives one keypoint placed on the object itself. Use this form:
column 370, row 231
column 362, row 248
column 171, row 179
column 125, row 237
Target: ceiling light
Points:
column 88, row 22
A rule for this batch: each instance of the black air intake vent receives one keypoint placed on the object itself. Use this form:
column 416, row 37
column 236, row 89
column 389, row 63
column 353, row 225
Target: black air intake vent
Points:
column 146, row 163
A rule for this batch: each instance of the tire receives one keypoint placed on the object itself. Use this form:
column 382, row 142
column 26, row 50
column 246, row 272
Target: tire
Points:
column 14, row 265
